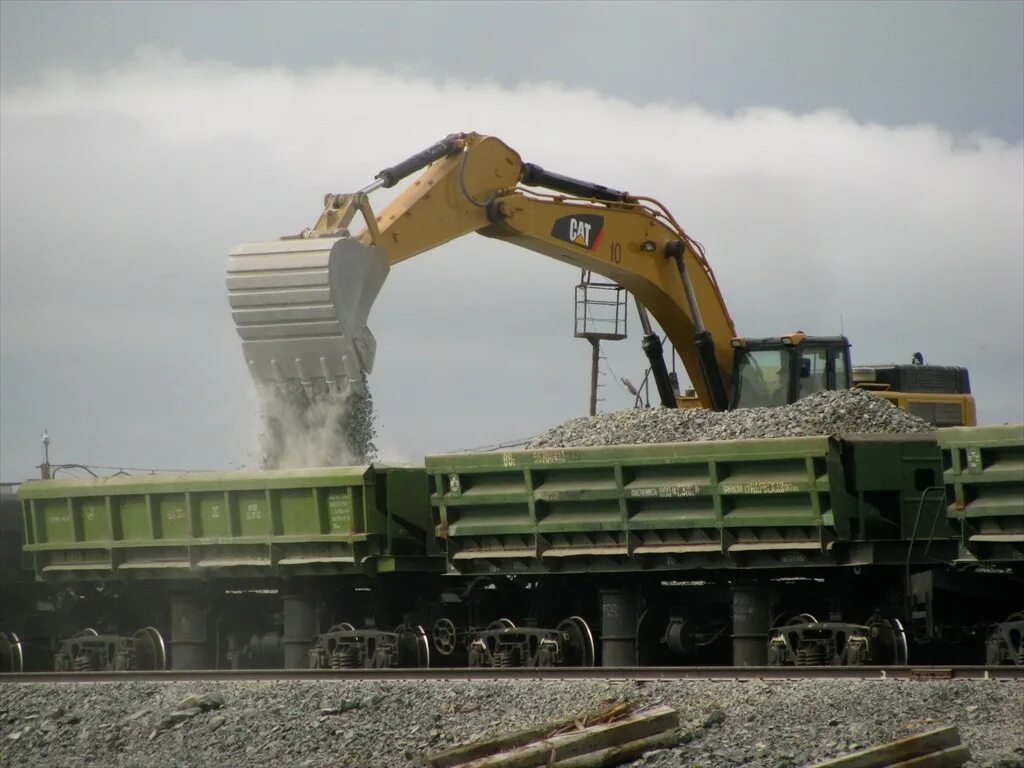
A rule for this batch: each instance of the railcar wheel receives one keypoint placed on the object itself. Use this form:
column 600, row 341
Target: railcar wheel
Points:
column 424, row 643
column 502, row 624
column 651, row 629
column 150, row 649
column 888, row 642
column 580, row 651
column 1016, row 623
column 12, row 659
column 413, row 646
column 902, row 651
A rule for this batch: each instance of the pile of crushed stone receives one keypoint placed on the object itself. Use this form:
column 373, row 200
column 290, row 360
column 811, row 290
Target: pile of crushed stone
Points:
column 824, row 413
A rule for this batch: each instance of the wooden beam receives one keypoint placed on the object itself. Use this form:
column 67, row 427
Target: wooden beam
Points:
column 549, row 751
column 953, row 757
column 603, row 758
column 900, row 751
column 466, row 752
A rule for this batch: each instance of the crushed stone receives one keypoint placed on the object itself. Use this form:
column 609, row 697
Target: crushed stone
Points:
column 761, row 724
column 833, row 412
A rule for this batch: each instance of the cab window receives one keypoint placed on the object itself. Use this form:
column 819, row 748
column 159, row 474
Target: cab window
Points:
column 762, row 379
column 839, row 362
column 813, row 372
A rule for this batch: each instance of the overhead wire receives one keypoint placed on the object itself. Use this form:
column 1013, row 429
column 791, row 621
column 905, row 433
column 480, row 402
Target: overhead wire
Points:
column 82, row 470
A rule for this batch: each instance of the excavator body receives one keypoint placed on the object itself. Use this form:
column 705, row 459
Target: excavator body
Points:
column 301, row 304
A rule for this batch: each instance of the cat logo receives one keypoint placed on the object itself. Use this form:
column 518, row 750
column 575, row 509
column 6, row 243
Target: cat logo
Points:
column 584, row 230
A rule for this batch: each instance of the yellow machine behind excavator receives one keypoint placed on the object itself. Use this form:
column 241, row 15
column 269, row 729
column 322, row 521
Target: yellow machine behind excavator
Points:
column 301, row 303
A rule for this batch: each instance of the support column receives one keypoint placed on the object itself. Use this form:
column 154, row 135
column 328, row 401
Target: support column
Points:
column 595, row 373
column 189, row 648
column 618, row 628
column 299, row 628
column 749, row 625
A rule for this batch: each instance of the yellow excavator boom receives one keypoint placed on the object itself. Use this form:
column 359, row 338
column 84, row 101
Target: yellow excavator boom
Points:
column 477, row 183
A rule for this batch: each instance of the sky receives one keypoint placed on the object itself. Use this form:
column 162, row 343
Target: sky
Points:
column 848, row 167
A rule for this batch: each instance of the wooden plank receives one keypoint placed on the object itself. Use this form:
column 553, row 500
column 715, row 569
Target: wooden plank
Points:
column 549, row 751
column 603, row 758
column 902, row 750
column 953, row 757
column 466, row 752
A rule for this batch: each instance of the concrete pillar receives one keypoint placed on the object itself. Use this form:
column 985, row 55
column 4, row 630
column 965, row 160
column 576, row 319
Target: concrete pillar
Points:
column 189, row 647
column 299, row 628
column 618, row 628
column 749, row 625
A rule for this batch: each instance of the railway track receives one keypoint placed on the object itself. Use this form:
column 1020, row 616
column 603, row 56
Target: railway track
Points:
column 545, row 673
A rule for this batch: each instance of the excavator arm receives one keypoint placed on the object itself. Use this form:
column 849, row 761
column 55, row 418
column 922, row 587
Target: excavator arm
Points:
column 475, row 183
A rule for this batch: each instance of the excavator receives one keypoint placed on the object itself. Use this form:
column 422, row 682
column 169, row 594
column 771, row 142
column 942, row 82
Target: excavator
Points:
column 301, row 303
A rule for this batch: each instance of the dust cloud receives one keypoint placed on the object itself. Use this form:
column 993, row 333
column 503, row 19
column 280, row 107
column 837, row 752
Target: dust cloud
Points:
column 312, row 426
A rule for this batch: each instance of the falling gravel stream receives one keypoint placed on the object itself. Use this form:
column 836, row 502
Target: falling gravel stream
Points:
column 316, row 427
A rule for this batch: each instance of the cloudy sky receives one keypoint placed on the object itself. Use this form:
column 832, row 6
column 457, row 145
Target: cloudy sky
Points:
column 855, row 167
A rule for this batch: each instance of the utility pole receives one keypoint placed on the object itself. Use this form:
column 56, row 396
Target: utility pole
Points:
column 595, row 364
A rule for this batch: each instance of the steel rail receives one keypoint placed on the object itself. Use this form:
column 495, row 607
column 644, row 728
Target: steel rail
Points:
column 724, row 674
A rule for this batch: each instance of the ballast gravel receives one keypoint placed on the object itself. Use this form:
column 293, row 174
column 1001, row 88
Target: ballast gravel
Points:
column 823, row 413
column 361, row 724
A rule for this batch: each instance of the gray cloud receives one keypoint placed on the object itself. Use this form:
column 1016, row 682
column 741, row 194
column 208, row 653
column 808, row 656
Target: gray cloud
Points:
column 123, row 190
column 959, row 65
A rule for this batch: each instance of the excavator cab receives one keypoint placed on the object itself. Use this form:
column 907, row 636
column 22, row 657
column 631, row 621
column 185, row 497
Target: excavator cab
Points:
column 780, row 370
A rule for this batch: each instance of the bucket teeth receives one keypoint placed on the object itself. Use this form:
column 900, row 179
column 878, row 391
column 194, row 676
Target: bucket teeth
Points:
column 300, row 308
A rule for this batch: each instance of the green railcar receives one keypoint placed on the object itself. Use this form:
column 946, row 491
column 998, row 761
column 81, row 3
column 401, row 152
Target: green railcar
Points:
column 632, row 554
column 350, row 520
column 854, row 500
column 984, row 476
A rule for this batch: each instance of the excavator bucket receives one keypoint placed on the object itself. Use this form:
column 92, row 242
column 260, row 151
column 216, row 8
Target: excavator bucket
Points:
column 301, row 305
